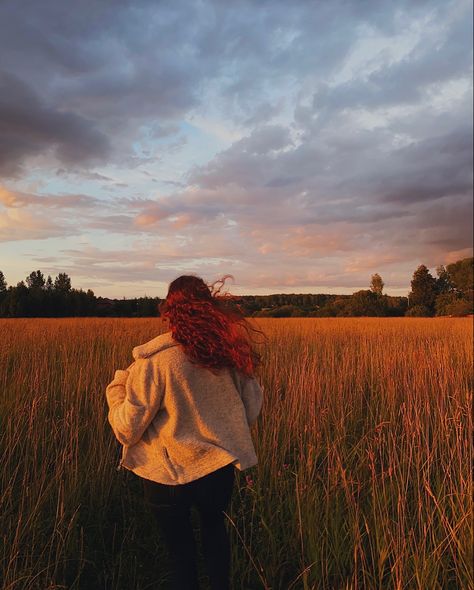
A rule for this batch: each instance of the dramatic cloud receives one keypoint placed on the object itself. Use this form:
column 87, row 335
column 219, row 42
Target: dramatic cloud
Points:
column 28, row 127
column 299, row 146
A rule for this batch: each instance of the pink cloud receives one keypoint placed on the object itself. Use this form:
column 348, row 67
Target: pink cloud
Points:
column 16, row 199
column 18, row 224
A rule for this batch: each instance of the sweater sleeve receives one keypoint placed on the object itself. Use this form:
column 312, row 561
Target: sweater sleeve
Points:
column 252, row 398
column 134, row 397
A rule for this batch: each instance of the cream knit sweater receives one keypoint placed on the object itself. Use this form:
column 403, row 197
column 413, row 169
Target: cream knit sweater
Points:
column 178, row 421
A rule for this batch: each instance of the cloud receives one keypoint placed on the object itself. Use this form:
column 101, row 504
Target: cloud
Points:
column 439, row 56
column 423, row 170
column 28, row 127
column 81, row 77
column 294, row 147
column 83, row 174
column 16, row 199
column 20, row 224
column 29, row 216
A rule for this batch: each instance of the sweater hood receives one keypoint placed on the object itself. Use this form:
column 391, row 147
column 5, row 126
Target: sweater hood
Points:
column 161, row 342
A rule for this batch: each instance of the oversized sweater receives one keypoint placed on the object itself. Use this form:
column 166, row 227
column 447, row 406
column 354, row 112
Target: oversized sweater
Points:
column 178, row 421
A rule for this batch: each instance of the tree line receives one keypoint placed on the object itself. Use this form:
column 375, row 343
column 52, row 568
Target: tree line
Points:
column 449, row 293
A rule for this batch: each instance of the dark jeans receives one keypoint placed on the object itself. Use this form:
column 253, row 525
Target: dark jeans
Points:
column 170, row 505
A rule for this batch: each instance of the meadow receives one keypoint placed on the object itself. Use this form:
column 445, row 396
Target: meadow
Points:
column 364, row 442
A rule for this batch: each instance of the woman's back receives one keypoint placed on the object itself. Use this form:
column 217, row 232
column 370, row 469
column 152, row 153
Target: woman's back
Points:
column 182, row 421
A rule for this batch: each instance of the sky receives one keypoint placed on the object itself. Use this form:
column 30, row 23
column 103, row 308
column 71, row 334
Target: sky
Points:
column 299, row 146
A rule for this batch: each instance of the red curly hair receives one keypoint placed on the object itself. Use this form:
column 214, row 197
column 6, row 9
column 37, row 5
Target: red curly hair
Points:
column 209, row 325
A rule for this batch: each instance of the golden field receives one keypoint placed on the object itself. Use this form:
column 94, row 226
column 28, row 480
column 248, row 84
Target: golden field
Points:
column 364, row 443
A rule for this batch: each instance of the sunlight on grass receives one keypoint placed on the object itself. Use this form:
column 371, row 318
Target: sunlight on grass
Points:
column 364, row 475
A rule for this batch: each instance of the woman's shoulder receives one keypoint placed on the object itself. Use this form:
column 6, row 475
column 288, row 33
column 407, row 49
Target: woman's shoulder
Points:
column 155, row 345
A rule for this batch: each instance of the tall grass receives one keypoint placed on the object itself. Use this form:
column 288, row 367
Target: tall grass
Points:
column 364, row 443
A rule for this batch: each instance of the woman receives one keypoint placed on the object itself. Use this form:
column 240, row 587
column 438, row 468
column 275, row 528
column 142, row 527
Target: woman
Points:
column 183, row 411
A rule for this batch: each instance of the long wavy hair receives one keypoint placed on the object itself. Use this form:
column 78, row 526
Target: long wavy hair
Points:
column 210, row 325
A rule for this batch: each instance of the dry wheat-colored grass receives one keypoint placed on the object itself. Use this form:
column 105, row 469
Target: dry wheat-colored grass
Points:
column 364, row 443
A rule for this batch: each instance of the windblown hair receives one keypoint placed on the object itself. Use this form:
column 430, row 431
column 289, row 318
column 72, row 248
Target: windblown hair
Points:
column 210, row 325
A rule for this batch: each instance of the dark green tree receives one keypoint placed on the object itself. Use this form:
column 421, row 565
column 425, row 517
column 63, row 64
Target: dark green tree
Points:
column 418, row 311
column 3, row 293
column 443, row 282
column 35, row 280
column 366, row 303
column 376, row 284
column 445, row 301
column 462, row 277
column 3, row 282
column 462, row 274
column 49, row 283
column 423, row 290
column 62, row 283
column 15, row 303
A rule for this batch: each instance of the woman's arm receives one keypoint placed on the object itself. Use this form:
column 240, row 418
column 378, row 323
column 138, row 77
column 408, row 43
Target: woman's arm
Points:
column 251, row 394
column 134, row 397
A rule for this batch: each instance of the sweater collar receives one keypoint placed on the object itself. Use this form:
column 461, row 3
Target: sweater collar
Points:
column 161, row 342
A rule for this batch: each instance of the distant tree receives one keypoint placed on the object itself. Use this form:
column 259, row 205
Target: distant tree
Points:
column 49, row 283
column 462, row 277
column 445, row 301
column 15, row 303
column 423, row 289
column 3, row 282
column 395, row 305
column 336, row 306
column 147, row 307
column 462, row 274
column 35, row 280
column 461, row 307
column 282, row 311
column 443, row 282
column 3, row 293
column 366, row 303
column 307, row 300
column 62, row 283
column 418, row 311
column 377, row 284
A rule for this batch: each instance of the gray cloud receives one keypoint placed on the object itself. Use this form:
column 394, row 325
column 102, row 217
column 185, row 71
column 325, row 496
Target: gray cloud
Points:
column 432, row 61
column 329, row 179
column 82, row 76
column 433, row 168
column 28, row 126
